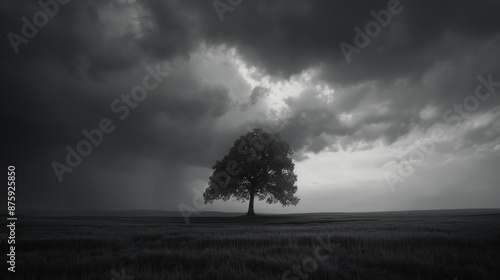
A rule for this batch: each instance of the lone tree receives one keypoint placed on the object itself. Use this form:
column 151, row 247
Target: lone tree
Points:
column 258, row 165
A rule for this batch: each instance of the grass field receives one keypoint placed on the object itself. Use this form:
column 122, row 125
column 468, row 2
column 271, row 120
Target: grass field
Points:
column 447, row 244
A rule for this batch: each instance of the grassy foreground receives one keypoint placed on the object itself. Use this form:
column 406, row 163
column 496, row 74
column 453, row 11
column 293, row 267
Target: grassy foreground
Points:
column 459, row 244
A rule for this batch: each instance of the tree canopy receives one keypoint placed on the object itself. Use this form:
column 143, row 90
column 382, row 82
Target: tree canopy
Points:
column 259, row 164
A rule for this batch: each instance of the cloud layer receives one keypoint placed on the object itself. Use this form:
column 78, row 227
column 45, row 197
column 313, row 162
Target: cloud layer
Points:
column 276, row 64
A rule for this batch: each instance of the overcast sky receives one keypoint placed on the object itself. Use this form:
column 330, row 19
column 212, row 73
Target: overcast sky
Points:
column 388, row 105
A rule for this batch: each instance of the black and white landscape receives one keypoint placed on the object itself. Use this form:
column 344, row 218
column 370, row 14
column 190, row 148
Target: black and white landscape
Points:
column 250, row 139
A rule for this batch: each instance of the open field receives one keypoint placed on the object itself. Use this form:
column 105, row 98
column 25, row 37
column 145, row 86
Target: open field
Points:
column 447, row 244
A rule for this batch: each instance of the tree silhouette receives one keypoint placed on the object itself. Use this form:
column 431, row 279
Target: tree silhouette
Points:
column 259, row 164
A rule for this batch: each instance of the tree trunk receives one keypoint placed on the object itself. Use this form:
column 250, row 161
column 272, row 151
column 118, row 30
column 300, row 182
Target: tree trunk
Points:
column 250, row 205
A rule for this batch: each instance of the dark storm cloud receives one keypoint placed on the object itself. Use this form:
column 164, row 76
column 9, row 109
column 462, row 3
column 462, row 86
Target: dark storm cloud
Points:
column 314, row 124
column 174, row 29
column 429, row 54
column 286, row 37
column 65, row 78
column 256, row 95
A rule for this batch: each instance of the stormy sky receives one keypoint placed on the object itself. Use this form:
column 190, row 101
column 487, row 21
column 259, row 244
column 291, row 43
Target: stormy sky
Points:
column 387, row 105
